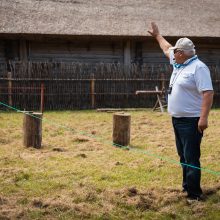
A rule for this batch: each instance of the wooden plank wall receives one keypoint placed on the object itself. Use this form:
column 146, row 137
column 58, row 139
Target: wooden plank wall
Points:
column 151, row 52
column 2, row 51
column 2, row 71
column 58, row 58
column 209, row 55
column 79, row 51
column 147, row 52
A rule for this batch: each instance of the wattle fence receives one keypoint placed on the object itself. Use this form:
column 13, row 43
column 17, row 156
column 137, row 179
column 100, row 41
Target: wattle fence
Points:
column 66, row 86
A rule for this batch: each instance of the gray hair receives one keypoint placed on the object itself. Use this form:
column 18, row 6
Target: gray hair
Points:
column 189, row 52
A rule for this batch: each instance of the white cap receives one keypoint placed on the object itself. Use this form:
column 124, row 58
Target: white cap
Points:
column 183, row 44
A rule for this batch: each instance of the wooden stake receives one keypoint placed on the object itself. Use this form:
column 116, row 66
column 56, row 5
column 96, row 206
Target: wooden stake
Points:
column 163, row 82
column 32, row 128
column 121, row 128
column 159, row 100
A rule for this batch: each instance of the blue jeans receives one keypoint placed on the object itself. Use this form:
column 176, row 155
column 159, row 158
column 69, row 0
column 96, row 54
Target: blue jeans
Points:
column 188, row 140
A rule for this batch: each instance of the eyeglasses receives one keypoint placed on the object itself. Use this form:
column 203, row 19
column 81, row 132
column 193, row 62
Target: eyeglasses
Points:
column 176, row 50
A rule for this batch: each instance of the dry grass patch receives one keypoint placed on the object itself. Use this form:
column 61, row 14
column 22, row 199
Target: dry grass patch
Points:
column 78, row 174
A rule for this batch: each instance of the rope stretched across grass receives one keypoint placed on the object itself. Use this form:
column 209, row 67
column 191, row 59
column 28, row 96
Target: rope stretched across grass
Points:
column 167, row 159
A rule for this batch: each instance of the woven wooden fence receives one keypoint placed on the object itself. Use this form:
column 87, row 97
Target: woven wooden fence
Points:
column 84, row 86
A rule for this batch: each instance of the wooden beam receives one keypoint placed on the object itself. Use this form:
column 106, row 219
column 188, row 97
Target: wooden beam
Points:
column 42, row 98
column 10, row 89
column 92, row 92
column 159, row 92
column 159, row 100
column 23, row 50
column 127, row 55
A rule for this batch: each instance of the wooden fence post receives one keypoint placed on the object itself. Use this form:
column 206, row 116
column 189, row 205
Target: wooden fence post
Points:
column 32, row 128
column 121, row 129
column 10, row 89
column 163, row 83
column 92, row 91
column 42, row 98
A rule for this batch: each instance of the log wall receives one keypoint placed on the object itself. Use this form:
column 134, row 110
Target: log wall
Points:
column 80, row 51
column 89, row 73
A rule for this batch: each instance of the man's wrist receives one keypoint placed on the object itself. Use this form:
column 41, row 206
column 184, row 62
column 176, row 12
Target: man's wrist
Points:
column 204, row 117
column 157, row 36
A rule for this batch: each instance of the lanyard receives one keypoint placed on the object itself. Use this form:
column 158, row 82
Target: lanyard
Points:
column 178, row 66
column 176, row 76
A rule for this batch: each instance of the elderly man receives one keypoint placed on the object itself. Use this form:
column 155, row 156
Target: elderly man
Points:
column 190, row 97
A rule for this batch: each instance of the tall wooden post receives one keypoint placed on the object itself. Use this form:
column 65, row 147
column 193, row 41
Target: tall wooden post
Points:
column 159, row 100
column 121, row 129
column 127, row 55
column 42, row 98
column 10, row 89
column 32, row 128
column 92, row 91
column 23, row 50
column 163, row 81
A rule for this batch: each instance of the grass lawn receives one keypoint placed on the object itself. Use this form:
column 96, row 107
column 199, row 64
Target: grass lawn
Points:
column 78, row 174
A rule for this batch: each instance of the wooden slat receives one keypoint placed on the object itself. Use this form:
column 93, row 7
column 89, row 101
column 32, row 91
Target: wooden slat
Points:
column 2, row 52
column 82, row 51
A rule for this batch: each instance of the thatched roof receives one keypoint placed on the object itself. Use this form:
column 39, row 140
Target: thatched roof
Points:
column 198, row 18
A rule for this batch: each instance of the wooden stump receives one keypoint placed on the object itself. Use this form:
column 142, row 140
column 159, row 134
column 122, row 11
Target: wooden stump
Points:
column 121, row 129
column 32, row 127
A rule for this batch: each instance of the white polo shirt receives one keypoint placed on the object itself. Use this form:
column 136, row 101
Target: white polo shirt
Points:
column 188, row 82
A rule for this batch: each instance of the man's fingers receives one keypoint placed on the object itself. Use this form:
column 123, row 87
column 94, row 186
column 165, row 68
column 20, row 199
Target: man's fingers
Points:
column 200, row 130
column 153, row 24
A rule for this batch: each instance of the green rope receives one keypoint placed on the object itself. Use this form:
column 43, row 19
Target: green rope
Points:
column 169, row 160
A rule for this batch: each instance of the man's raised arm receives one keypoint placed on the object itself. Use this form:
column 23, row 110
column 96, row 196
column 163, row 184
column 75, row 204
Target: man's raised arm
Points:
column 164, row 44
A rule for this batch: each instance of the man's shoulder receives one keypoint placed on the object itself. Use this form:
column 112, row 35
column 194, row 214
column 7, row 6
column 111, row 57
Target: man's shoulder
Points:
column 200, row 64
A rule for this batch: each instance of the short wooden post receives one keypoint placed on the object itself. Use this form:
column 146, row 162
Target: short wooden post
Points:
column 121, row 128
column 32, row 127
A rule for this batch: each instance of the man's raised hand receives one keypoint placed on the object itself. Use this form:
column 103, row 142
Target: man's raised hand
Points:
column 154, row 31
